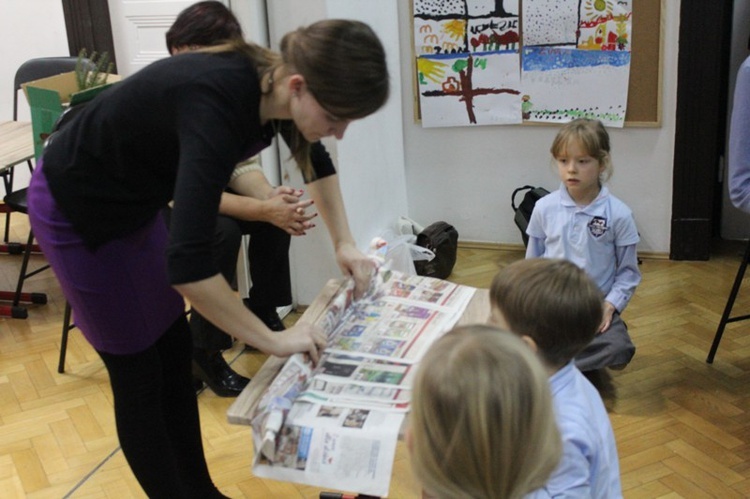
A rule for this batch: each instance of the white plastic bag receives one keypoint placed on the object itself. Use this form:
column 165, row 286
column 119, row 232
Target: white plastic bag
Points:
column 401, row 251
column 406, row 225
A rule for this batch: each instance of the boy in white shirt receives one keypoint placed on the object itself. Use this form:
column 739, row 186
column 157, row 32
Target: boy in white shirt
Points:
column 556, row 308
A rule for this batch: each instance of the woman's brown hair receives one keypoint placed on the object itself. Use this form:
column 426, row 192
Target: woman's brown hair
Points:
column 343, row 63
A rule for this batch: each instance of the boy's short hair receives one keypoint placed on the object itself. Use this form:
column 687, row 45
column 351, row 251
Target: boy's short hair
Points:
column 553, row 302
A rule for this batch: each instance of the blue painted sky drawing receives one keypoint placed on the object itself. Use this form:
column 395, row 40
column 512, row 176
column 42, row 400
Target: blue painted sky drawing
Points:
column 583, row 53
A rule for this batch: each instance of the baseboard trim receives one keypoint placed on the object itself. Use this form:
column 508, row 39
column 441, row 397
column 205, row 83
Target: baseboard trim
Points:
column 653, row 255
column 483, row 245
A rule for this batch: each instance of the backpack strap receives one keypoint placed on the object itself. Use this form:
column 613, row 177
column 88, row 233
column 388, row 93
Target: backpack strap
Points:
column 513, row 196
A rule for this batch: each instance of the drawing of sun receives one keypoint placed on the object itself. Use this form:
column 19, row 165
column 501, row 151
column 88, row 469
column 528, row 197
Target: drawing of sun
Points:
column 455, row 29
column 594, row 8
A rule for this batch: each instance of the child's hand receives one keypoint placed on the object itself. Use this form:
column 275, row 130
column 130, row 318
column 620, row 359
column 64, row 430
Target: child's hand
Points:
column 609, row 311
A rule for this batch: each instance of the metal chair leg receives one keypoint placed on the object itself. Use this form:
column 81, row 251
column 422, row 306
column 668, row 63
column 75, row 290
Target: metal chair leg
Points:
column 725, row 317
column 23, row 275
column 67, row 326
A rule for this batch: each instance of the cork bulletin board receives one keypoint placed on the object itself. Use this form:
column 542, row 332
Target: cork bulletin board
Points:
column 644, row 88
column 645, row 80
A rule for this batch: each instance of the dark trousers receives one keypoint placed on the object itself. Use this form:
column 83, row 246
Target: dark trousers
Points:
column 156, row 413
column 268, row 254
column 611, row 348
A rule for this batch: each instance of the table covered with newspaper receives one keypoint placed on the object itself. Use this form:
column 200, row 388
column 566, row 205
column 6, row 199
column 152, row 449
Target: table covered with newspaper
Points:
column 336, row 425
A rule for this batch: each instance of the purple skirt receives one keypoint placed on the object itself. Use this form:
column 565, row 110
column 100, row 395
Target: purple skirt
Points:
column 120, row 294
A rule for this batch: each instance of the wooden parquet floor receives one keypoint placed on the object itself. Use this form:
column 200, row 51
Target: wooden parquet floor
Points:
column 682, row 426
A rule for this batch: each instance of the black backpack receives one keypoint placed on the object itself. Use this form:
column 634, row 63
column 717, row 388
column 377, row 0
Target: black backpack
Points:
column 442, row 239
column 523, row 210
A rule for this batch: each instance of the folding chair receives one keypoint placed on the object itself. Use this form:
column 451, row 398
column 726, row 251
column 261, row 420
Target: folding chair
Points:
column 31, row 70
column 15, row 200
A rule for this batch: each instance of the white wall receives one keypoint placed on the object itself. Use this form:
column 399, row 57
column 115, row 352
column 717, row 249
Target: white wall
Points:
column 466, row 176
column 370, row 157
column 28, row 29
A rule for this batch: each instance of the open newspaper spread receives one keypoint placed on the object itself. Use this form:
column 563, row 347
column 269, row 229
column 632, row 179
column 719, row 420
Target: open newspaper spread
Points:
column 336, row 426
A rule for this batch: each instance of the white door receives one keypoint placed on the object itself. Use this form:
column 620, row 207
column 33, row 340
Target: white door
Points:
column 138, row 28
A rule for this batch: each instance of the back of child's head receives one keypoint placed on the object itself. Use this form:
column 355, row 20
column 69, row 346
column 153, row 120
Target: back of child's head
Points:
column 482, row 423
column 591, row 136
column 553, row 302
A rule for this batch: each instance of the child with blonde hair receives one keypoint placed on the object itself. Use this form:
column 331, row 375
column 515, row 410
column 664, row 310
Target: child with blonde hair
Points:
column 584, row 223
column 481, row 424
column 556, row 308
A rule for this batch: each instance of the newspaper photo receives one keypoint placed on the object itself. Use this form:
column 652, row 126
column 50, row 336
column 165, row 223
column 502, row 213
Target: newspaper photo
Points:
column 351, row 381
column 334, row 447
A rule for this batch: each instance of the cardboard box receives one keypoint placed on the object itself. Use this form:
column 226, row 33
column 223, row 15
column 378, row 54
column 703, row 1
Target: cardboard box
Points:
column 48, row 97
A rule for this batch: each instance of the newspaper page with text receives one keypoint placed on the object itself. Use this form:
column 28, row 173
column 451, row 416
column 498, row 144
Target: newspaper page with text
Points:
column 336, row 424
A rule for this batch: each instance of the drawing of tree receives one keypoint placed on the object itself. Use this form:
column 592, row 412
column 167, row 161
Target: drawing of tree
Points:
column 460, row 84
column 499, row 10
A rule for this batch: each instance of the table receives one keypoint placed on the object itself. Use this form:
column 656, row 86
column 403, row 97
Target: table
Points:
column 16, row 144
column 240, row 412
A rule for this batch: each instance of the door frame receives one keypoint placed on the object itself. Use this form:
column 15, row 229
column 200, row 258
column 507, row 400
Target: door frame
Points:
column 88, row 26
column 700, row 134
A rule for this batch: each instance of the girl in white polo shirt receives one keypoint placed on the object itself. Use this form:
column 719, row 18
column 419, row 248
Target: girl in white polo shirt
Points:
column 584, row 223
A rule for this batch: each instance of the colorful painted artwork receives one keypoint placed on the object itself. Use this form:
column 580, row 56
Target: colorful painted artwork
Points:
column 473, row 70
column 467, row 62
column 581, row 49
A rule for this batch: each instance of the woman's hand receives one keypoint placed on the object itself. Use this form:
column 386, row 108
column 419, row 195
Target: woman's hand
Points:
column 327, row 195
column 216, row 301
column 608, row 312
column 285, row 210
column 356, row 264
column 300, row 338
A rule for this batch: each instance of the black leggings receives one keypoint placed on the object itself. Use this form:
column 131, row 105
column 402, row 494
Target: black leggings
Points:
column 156, row 412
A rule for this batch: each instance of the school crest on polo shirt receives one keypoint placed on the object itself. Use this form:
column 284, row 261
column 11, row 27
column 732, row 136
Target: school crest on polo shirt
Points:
column 598, row 226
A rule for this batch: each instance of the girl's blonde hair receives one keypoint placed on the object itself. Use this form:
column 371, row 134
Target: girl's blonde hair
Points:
column 482, row 423
column 591, row 136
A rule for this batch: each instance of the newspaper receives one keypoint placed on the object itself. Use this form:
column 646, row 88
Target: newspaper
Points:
column 350, row 381
column 333, row 447
column 400, row 319
column 276, row 402
column 336, row 425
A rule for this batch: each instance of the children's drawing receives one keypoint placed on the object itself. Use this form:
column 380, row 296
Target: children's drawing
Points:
column 574, row 61
column 550, row 22
column 581, row 49
column 467, row 61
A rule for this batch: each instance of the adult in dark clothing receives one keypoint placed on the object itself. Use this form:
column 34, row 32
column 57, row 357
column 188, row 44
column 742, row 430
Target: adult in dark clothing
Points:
column 175, row 131
column 251, row 206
